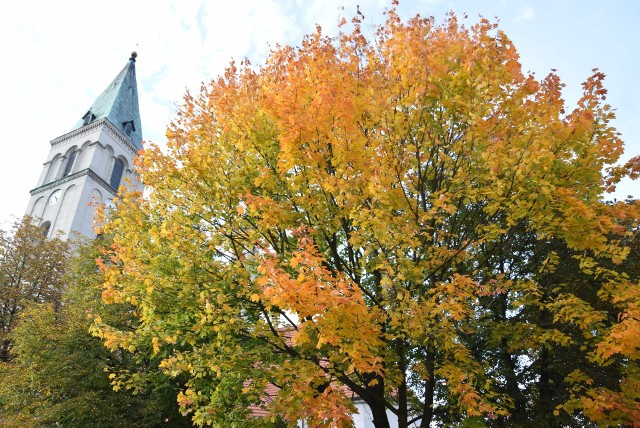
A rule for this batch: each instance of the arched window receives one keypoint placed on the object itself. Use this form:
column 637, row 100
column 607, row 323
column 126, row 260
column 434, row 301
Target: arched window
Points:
column 116, row 174
column 69, row 165
column 45, row 227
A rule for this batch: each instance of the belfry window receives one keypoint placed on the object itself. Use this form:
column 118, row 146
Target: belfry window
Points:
column 116, row 174
column 69, row 165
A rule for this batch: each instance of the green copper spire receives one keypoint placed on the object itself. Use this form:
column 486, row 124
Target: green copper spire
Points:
column 119, row 104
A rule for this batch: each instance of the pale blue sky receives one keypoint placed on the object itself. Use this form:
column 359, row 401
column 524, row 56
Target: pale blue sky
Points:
column 58, row 57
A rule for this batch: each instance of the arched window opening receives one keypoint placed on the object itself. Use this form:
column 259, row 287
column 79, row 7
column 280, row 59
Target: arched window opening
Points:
column 46, row 226
column 116, row 174
column 69, row 165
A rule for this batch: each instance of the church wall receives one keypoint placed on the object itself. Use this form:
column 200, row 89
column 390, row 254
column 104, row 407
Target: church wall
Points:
column 49, row 212
column 85, row 155
column 65, row 215
column 102, row 163
column 37, row 209
column 59, row 155
column 97, row 149
column 90, row 196
column 117, row 150
column 48, row 169
column 62, row 146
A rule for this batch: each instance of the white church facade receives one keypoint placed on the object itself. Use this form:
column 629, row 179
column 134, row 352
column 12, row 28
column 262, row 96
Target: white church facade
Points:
column 87, row 165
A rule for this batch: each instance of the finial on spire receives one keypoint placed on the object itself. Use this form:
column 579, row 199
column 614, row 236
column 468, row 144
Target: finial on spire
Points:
column 134, row 55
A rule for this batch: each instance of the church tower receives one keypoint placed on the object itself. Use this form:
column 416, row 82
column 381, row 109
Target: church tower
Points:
column 86, row 166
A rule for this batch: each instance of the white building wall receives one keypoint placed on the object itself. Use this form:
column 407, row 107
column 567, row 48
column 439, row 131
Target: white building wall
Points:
column 98, row 147
column 363, row 418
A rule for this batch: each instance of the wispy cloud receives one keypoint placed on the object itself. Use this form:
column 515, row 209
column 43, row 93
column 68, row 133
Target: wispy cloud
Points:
column 527, row 14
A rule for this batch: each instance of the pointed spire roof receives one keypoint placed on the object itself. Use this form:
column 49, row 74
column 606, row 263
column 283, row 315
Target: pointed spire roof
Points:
column 118, row 103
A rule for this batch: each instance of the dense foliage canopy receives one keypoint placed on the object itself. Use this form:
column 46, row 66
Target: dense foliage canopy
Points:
column 32, row 269
column 407, row 220
column 57, row 374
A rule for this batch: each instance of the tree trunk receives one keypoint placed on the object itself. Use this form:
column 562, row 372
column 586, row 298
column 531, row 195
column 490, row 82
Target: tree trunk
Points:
column 379, row 413
column 374, row 397
column 403, row 421
column 429, row 386
column 511, row 384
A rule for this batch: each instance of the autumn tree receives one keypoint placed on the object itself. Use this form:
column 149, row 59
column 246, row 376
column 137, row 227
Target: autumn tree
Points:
column 408, row 220
column 32, row 268
column 58, row 375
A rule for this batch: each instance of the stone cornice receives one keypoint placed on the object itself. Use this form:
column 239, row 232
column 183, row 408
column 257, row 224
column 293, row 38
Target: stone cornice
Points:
column 87, row 129
column 71, row 177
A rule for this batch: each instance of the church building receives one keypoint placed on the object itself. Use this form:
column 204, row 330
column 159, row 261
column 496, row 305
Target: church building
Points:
column 88, row 164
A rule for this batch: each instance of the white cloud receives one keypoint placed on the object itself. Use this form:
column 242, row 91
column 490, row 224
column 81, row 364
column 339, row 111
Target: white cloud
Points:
column 527, row 14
